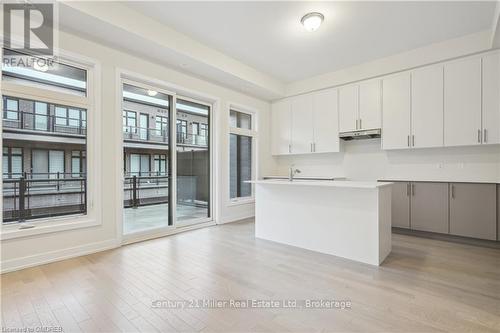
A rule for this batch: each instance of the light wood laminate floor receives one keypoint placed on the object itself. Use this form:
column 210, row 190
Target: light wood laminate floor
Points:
column 424, row 285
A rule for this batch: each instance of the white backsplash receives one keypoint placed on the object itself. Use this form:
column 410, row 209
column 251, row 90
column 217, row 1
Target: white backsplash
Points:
column 365, row 160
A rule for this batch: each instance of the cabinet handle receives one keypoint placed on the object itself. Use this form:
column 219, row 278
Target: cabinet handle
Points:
column 408, row 189
column 453, row 191
column 357, row 123
column 413, row 189
column 289, row 148
column 479, row 136
column 360, row 126
column 314, row 146
column 408, row 141
column 485, row 136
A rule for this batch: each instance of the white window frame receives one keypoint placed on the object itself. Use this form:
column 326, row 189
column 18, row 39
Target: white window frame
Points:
column 91, row 102
column 253, row 133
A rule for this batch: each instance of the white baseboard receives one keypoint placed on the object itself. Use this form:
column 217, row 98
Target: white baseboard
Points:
column 236, row 218
column 48, row 257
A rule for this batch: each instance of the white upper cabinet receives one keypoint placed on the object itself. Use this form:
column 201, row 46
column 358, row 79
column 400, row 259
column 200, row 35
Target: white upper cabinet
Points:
column 427, row 107
column 491, row 99
column 369, row 105
column 325, row 118
column 281, row 124
column 396, row 111
column 302, row 124
column 348, row 108
column 462, row 102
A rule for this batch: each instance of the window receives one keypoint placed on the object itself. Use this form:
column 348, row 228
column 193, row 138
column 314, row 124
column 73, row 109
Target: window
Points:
column 161, row 125
column 129, row 121
column 58, row 76
column 203, row 130
column 12, row 162
column 139, row 165
column 77, row 163
column 181, row 128
column 241, row 164
column 44, row 124
column 11, row 109
column 41, row 116
column 61, row 116
column 160, row 164
column 195, row 128
column 240, row 120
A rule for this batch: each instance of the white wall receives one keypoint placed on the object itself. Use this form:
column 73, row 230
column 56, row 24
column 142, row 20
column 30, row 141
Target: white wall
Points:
column 35, row 249
column 365, row 160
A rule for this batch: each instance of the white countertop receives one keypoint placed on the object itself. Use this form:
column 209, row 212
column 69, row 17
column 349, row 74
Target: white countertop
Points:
column 440, row 180
column 323, row 183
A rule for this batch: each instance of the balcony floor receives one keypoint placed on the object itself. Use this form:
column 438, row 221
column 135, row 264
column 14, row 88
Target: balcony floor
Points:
column 154, row 216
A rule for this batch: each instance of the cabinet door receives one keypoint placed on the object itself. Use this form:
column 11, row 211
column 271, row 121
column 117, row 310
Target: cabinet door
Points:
column 427, row 107
column 491, row 98
column 326, row 121
column 400, row 205
column 429, row 207
column 473, row 210
column 281, row 124
column 348, row 108
column 370, row 113
column 462, row 102
column 396, row 111
column 302, row 124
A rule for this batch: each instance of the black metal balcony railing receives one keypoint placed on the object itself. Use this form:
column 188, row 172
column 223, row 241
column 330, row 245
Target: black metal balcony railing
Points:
column 145, row 188
column 38, row 195
column 155, row 135
column 44, row 123
column 145, row 134
column 192, row 139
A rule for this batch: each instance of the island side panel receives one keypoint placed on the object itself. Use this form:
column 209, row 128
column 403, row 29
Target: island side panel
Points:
column 384, row 222
column 334, row 220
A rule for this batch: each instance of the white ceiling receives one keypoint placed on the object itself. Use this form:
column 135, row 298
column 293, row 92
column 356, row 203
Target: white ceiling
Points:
column 268, row 35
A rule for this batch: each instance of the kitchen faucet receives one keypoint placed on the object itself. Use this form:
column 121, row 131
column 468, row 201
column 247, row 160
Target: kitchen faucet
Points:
column 292, row 172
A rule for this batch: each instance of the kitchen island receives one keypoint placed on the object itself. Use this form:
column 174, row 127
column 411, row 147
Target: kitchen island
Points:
column 349, row 219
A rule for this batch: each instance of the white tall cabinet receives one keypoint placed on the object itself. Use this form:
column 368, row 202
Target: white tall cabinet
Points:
column 281, row 125
column 369, row 105
column 396, row 111
column 302, row 132
column 491, row 99
column 348, row 108
column 359, row 106
column 325, row 120
column 306, row 124
column 462, row 102
column 427, row 107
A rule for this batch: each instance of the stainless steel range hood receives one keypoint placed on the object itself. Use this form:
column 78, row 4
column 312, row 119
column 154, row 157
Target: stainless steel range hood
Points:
column 360, row 135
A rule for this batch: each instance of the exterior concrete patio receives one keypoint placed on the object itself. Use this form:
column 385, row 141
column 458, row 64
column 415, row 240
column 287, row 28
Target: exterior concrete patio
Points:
column 154, row 216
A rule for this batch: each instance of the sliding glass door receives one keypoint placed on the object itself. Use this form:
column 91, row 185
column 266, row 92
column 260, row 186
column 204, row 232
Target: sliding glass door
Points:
column 193, row 162
column 154, row 123
column 146, row 160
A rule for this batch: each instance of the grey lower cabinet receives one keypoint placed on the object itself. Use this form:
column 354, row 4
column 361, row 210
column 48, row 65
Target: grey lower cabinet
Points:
column 400, row 205
column 429, row 207
column 473, row 210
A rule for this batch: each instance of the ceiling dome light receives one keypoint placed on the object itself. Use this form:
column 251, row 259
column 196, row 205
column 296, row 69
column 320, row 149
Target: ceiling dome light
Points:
column 152, row 93
column 312, row 21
